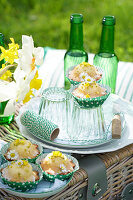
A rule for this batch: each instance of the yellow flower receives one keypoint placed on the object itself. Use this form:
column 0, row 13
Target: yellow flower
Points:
column 12, row 155
column 25, row 162
column 28, row 96
column 84, row 64
column 57, row 154
column 87, row 96
column 86, row 84
column 19, row 163
column 88, row 79
column 83, row 76
column 10, row 55
column 13, row 47
column 3, row 66
column 18, row 142
column 35, row 82
column 6, row 75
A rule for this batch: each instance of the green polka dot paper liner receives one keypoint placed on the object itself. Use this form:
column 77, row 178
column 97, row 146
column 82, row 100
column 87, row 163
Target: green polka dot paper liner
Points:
column 25, row 186
column 100, row 70
column 91, row 102
column 50, row 177
column 39, row 126
column 32, row 160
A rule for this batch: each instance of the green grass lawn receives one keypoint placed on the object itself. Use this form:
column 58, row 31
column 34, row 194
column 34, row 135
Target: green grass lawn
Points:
column 48, row 21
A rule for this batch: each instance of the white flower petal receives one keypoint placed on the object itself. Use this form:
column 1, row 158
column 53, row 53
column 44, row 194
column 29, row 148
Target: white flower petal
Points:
column 19, row 74
column 83, row 76
column 25, row 67
column 19, row 163
column 24, row 86
column 7, row 90
column 28, row 42
column 10, row 107
column 12, row 152
column 23, row 90
column 38, row 53
column 89, row 79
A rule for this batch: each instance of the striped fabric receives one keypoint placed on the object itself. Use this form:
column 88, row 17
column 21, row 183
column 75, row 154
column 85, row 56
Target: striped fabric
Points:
column 52, row 73
column 124, row 84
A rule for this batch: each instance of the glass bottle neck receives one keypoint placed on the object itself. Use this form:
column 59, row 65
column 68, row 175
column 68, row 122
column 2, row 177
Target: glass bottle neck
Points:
column 107, row 39
column 76, row 36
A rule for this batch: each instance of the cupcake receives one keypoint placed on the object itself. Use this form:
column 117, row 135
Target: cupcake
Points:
column 89, row 90
column 21, row 174
column 57, row 165
column 90, row 94
column 21, row 149
column 84, row 72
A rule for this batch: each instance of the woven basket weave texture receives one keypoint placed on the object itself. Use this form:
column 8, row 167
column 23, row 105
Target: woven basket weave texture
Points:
column 119, row 170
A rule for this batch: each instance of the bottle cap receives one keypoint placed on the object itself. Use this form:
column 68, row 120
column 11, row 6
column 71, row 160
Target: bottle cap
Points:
column 108, row 20
column 76, row 18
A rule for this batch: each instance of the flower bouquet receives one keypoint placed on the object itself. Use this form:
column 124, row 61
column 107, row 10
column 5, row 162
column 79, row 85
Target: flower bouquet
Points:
column 18, row 75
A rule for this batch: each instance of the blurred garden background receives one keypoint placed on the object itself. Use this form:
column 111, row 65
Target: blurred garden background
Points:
column 48, row 21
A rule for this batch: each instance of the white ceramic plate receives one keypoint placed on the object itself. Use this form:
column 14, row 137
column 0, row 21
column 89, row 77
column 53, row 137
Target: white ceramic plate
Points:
column 43, row 189
column 106, row 146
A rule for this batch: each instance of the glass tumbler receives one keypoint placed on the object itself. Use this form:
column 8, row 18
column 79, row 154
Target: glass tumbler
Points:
column 88, row 124
column 56, row 106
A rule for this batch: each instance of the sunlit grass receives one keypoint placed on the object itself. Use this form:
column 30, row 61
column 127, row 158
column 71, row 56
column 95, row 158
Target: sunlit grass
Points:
column 48, row 21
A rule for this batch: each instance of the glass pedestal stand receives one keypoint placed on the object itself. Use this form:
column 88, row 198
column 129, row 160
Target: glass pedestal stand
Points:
column 88, row 117
column 88, row 123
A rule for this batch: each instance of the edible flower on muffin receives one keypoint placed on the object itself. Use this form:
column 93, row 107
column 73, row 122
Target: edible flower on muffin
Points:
column 12, row 155
column 19, row 171
column 63, row 168
column 56, row 154
column 18, row 142
column 57, row 163
column 85, row 71
column 89, row 90
column 85, row 77
column 20, row 149
column 21, row 163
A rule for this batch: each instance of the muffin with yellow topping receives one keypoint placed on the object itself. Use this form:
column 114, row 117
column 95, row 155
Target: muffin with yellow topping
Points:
column 21, row 174
column 84, row 72
column 21, row 149
column 57, row 165
column 89, row 90
column 90, row 94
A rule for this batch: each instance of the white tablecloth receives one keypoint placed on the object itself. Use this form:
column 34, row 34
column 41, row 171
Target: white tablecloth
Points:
column 52, row 73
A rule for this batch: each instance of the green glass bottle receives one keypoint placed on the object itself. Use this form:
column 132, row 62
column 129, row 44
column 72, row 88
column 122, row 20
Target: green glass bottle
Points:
column 76, row 53
column 106, row 57
column 2, row 43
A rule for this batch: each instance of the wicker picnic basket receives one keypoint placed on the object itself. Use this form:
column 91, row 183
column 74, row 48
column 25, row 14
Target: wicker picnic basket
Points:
column 119, row 172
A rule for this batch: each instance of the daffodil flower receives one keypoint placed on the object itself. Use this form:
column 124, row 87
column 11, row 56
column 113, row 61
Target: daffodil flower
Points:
column 10, row 55
column 26, row 74
column 29, row 56
column 25, row 77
